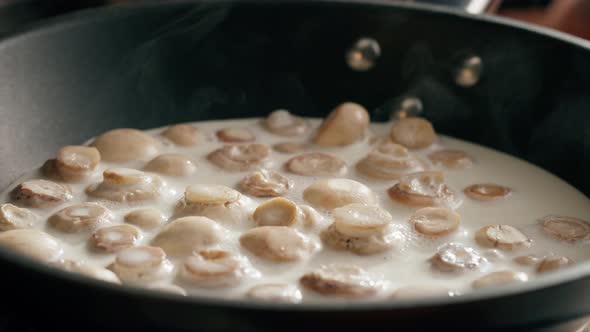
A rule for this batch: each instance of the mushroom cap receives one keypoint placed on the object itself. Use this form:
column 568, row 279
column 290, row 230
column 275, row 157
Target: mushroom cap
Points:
column 183, row 236
column 32, row 243
column 121, row 145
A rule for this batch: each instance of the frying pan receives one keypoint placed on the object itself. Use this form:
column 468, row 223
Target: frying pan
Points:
column 154, row 64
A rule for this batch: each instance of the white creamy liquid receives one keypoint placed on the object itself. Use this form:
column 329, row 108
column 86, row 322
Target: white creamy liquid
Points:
column 536, row 193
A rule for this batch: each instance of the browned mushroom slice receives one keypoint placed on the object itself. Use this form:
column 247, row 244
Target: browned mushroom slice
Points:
column 528, row 260
column 421, row 291
column 283, row 293
column 502, row 236
column 185, row 235
column 566, row 228
column 172, row 164
column 276, row 212
column 345, row 125
column 41, row 193
column 451, row 158
column 182, row 134
column 126, row 185
column 240, row 157
column 32, row 243
column 455, row 257
column 422, row 189
column 218, row 202
column 212, row 268
column 389, row 161
column 316, row 164
column 499, row 278
column 114, row 238
column 121, row 145
column 413, row 133
column 89, row 270
column 283, row 123
column 289, row 147
column 333, row 193
column 265, row 183
column 277, row 243
column 553, row 263
column 141, row 265
column 341, row 280
column 435, row 221
column 147, row 218
column 235, row 135
column 76, row 163
column 13, row 217
column 487, row 191
column 80, row 218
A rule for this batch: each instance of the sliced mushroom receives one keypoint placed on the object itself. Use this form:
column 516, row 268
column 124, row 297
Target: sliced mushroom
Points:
column 451, row 158
column 499, row 278
column 182, row 134
column 76, row 163
column 345, row 125
column 277, row 243
column 283, row 123
column 487, row 191
column 502, row 236
column 421, row 291
column 333, row 193
column 316, row 164
column 289, row 147
column 283, row 293
column 166, row 288
column 41, row 193
column 115, row 238
column 311, row 217
column 89, row 270
column 566, row 228
column 212, row 269
column 413, row 133
column 217, row 202
column 239, row 157
column 235, row 135
column 422, row 189
column 347, row 281
column 121, row 145
column 172, row 164
column 13, row 217
column 126, row 185
column 147, row 218
column 277, row 212
column 32, row 243
column 456, row 257
column 389, row 161
column 141, row 265
column 80, row 218
column 553, row 263
column 185, row 235
column 435, row 221
column 528, row 260
column 265, row 183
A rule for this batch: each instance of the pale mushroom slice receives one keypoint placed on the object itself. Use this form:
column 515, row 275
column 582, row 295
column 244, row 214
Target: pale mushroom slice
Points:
column 421, row 291
column 80, row 218
column 239, row 157
column 282, row 293
column 277, row 243
column 499, row 278
column 277, row 211
column 332, row 193
column 283, row 123
column 360, row 228
column 435, row 221
column 456, row 257
column 89, row 270
column 422, row 189
column 166, row 288
column 266, row 183
column 487, row 191
column 316, row 164
column 413, row 133
column 126, row 185
column 146, row 218
column 122, row 145
column 13, row 217
column 527, row 260
column 289, row 147
column 451, row 158
column 311, row 217
column 341, row 280
column 114, row 238
column 235, row 135
column 212, row 269
column 183, row 236
column 566, row 228
column 32, row 243
column 76, row 163
column 346, row 124
column 502, row 236
column 217, row 202
column 553, row 263
column 41, row 193
column 182, row 134
column 389, row 161
column 141, row 265
column 171, row 164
